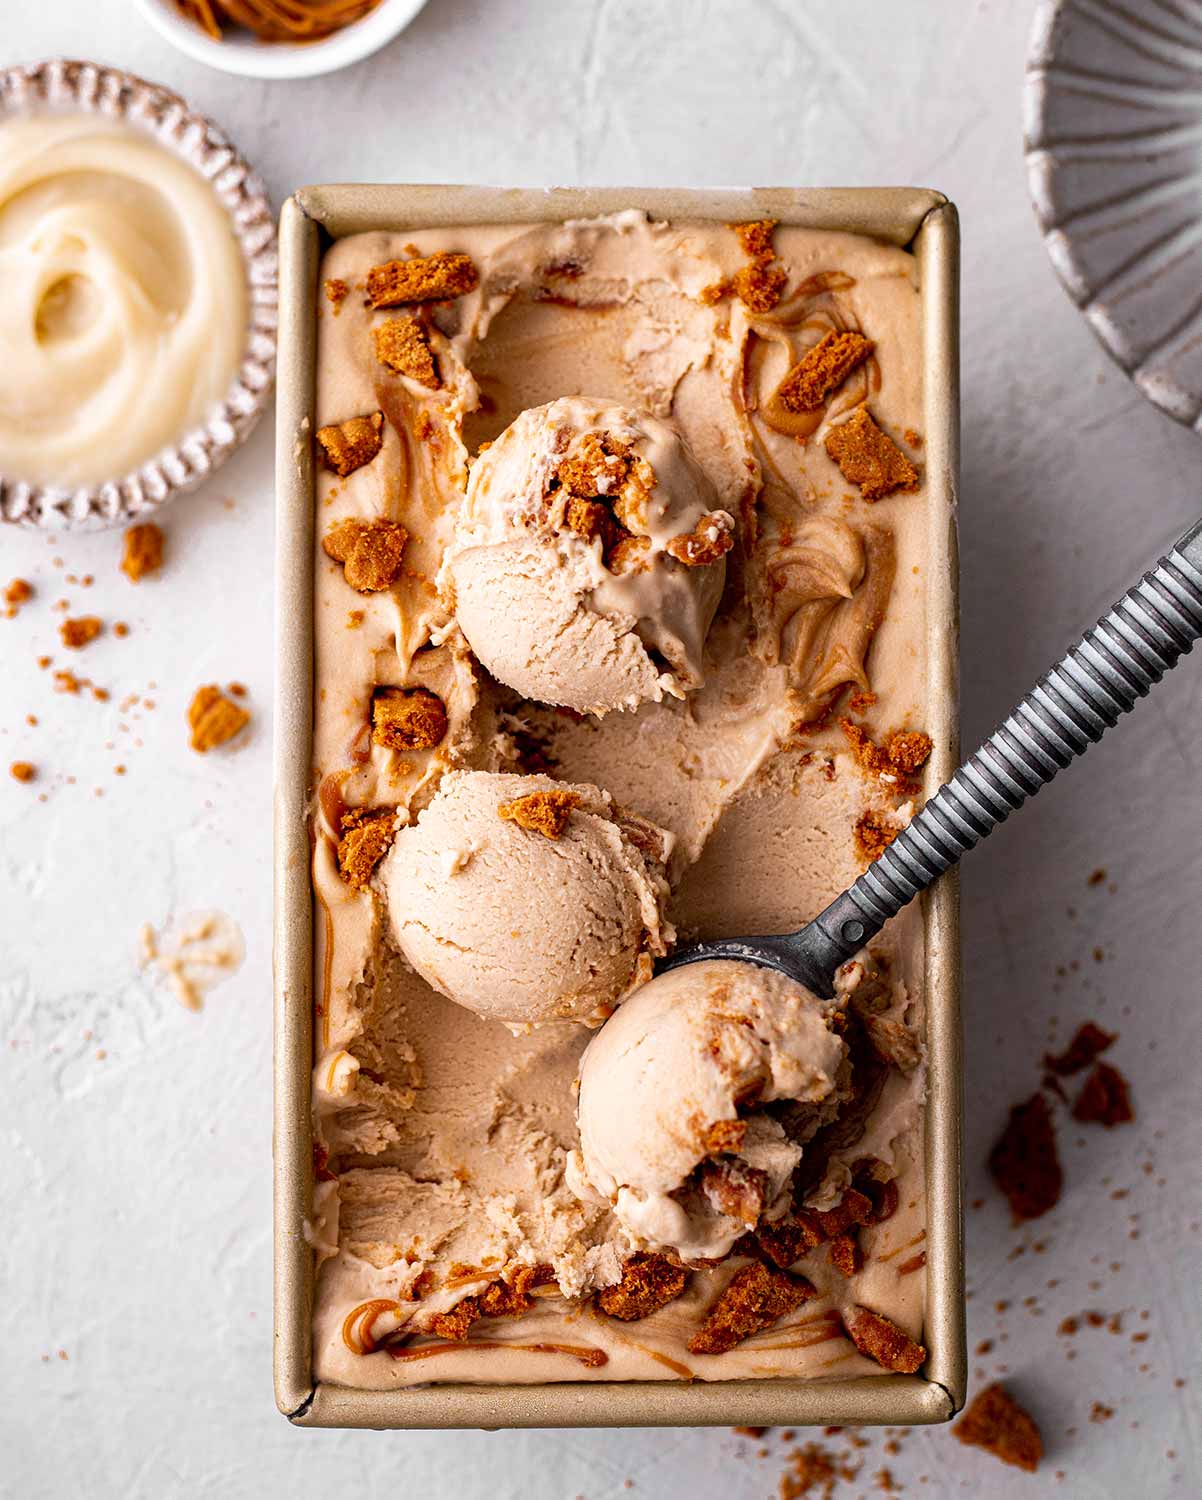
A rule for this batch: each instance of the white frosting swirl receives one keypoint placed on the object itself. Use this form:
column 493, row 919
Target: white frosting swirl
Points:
column 124, row 313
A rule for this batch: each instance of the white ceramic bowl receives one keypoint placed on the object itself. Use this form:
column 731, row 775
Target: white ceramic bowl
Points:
column 254, row 59
column 1113, row 133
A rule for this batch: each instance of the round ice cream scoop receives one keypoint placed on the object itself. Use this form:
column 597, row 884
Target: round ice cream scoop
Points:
column 589, row 557
column 528, row 900
column 673, row 1128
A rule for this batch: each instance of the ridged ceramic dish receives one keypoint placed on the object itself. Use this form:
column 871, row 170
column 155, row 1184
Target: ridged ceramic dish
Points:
column 63, row 85
column 1113, row 127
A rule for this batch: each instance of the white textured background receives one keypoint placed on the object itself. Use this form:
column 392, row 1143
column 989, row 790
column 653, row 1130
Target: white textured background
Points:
column 136, row 1221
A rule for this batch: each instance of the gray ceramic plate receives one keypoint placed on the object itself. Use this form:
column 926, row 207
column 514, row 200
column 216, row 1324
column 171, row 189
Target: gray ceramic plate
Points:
column 1113, row 129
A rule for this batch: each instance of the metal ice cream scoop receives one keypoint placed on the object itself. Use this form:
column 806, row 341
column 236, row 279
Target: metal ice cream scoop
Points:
column 1113, row 665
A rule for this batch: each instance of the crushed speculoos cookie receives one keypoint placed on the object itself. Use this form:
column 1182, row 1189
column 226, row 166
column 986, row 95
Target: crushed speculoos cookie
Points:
column 755, row 236
column 908, row 750
column 143, row 551
column 500, row 1299
column 753, row 1299
column 822, row 370
column 759, row 286
column 786, row 1240
column 648, row 1283
column 18, row 592
column 366, row 834
column 77, row 633
column 425, row 278
column 725, row 1136
column 23, row 770
column 1088, row 1043
column 894, row 763
column 869, row 458
column 347, row 446
column 630, row 555
column 873, row 833
column 996, row 1422
column 1025, row 1163
column 734, row 1188
column 337, row 291
column 407, row 719
column 214, row 719
column 371, row 552
column 1105, row 1098
column 600, row 490
column 846, row 1253
column 710, row 539
column 403, row 346
column 879, row 1338
column 546, row 812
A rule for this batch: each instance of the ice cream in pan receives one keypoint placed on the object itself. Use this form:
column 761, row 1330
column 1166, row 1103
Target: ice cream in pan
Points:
column 619, row 617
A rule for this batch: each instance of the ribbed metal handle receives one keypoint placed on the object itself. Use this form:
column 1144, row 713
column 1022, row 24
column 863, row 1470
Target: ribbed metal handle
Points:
column 1101, row 678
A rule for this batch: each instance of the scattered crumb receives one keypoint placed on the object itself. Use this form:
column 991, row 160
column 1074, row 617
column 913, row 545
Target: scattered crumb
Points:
column 1105, row 1098
column 213, row 718
column 143, row 551
column 996, row 1422
column 337, row 291
column 1025, row 1163
column 23, row 770
column 121, row 629
column 18, row 592
column 78, row 632
column 1088, row 1042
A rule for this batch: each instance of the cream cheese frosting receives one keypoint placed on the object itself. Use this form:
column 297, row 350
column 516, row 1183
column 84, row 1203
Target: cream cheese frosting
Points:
column 125, row 306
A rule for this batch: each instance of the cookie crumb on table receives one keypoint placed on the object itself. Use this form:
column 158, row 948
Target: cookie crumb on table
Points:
column 1025, row 1163
column 996, row 1422
column 78, row 632
column 22, row 770
column 214, row 719
column 143, row 551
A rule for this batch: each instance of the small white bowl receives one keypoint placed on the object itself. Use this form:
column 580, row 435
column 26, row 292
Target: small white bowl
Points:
column 250, row 58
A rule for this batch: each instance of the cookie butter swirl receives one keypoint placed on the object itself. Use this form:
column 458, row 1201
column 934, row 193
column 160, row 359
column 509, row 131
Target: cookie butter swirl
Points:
column 125, row 304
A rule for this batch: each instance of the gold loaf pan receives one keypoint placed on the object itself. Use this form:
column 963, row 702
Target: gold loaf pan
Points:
column 916, row 218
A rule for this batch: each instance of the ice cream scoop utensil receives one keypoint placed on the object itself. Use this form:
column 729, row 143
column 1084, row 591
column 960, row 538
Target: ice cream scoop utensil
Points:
column 1099, row 679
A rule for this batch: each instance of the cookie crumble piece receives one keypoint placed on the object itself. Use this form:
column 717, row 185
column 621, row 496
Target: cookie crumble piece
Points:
column 1087, row 1044
column 546, row 812
column 648, row 1283
column 847, row 1255
column 1104, row 1099
column 366, row 834
column 407, row 719
column 213, row 718
column 370, row 552
column 18, row 592
column 873, row 833
column 403, row 346
column 710, row 539
column 869, row 458
column 429, row 278
column 880, row 1339
column 896, row 761
column 78, row 632
column 760, row 285
column 754, row 1299
column 755, row 236
column 500, row 1299
column 822, row 370
column 23, row 770
column 337, row 291
column 347, row 446
column 1025, row 1163
column 734, row 1188
column 143, row 551
column 996, row 1422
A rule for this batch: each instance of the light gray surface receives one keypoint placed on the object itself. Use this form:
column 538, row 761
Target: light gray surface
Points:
column 137, row 1186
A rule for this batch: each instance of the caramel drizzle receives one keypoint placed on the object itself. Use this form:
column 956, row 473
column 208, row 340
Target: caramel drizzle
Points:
column 915, row 1263
column 357, row 1325
column 909, row 1245
column 590, row 1358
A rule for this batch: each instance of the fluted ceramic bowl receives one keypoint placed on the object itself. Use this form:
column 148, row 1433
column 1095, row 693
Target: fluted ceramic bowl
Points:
column 1113, row 136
